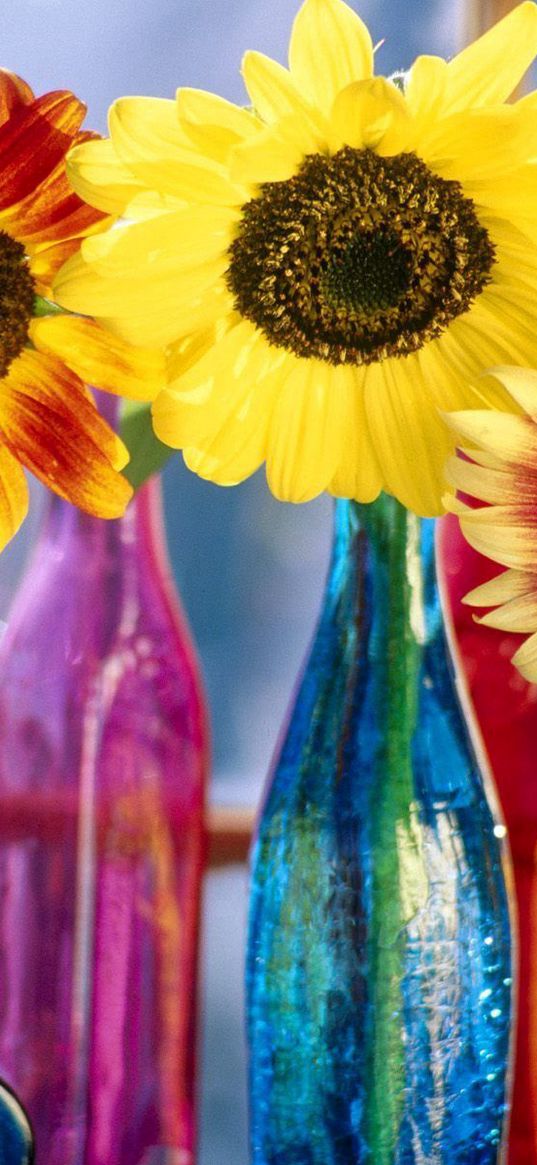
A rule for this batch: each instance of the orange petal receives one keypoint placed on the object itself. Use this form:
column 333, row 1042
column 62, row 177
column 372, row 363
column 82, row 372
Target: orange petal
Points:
column 13, row 92
column 33, row 142
column 51, row 213
column 53, row 428
column 51, row 210
column 13, row 496
column 100, row 358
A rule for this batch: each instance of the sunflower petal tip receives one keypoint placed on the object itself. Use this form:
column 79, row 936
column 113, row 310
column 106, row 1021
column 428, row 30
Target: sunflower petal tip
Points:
column 529, row 8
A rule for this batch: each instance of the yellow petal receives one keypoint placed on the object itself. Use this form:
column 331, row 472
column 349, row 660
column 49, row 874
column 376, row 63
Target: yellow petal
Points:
column 221, row 385
column 370, row 115
column 146, row 128
column 487, row 72
column 212, row 124
column 148, row 138
column 160, row 307
column 488, row 460
column 518, row 615
column 174, row 320
column 480, row 144
column 525, row 659
column 272, row 90
column 484, row 74
column 491, row 485
column 99, row 357
column 196, row 107
column 510, row 584
column 306, row 432
column 275, row 154
column 495, row 532
column 512, row 438
column 185, row 353
column 513, row 195
column 499, row 485
column 409, row 438
column 521, row 383
column 45, row 264
column 425, row 88
column 241, row 448
column 507, row 313
column 330, row 47
column 235, row 442
column 175, row 241
column 13, row 496
column 491, row 338
column 358, row 473
column 101, row 179
column 80, row 288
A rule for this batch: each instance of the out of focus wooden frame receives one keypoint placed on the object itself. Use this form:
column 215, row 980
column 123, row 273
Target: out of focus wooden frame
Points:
column 480, row 14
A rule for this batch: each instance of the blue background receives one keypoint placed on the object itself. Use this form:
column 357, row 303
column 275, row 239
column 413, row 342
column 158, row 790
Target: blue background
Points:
column 250, row 570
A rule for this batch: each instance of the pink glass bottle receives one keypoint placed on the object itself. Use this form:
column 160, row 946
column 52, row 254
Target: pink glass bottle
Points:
column 103, row 756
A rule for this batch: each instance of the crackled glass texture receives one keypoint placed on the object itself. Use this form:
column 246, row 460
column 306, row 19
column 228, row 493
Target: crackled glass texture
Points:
column 379, row 977
column 102, row 768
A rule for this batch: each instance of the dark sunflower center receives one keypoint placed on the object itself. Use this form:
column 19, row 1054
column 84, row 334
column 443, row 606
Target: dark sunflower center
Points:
column 358, row 257
column 372, row 272
column 17, row 295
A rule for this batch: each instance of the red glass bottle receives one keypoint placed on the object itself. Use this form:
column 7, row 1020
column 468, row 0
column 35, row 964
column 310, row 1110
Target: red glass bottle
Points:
column 506, row 708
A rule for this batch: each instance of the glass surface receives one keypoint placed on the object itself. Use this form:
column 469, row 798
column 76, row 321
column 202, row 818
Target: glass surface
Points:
column 102, row 769
column 379, row 977
column 506, row 706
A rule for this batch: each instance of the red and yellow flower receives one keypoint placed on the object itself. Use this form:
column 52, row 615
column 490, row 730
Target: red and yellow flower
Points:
column 48, row 419
column 500, row 470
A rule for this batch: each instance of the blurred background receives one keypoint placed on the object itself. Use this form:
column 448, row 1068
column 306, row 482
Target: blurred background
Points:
column 249, row 570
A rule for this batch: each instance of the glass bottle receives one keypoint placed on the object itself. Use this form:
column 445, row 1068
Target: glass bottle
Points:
column 379, row 976
column 103, row 758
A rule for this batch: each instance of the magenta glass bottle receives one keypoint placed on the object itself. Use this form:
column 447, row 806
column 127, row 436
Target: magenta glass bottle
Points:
column 102, row 772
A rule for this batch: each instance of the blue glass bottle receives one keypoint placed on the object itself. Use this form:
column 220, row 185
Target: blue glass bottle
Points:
column 379, row 979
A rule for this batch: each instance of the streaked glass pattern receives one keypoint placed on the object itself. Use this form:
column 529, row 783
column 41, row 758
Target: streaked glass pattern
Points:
column 379, row 976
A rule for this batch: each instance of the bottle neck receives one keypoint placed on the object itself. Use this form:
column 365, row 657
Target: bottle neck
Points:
column 67, row 530
column 91, row 572
column 383, row 565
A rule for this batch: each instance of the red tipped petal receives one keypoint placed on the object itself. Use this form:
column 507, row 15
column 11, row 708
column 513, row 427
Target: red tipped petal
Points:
column 34, row 141
column 51, row 425
column 13, row 92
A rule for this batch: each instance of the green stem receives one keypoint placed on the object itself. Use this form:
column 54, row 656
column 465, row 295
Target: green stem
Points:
column 396, row 882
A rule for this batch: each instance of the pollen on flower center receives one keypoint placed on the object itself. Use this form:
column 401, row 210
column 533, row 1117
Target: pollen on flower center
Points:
column 17, row 294
column 358, row 257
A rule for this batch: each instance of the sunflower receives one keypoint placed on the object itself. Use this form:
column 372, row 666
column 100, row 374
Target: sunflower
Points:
column 327, row 269
column 502, row 473
column 48, row 419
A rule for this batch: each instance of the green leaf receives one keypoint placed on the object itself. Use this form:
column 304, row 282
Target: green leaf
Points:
column 45, row 307
column 148, row 454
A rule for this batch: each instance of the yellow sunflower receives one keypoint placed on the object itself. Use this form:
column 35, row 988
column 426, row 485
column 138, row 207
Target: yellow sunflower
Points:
column 48, row 419
column 502, row 473
column 328, row 268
